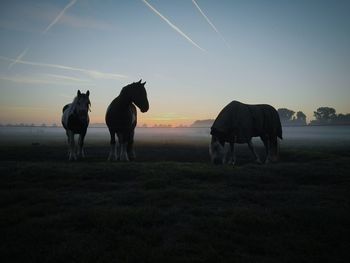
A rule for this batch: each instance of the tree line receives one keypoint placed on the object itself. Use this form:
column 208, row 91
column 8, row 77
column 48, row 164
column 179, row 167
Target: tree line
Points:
column 323, row 116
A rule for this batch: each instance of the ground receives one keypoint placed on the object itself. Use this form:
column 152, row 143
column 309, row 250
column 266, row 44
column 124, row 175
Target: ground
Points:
column 172, row 205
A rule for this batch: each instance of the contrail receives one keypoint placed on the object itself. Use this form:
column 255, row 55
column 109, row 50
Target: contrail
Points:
column 70, row 4
column 173, row 26
column 92, row 73
column 19, row 58
column 59, row 16
column 210, row 23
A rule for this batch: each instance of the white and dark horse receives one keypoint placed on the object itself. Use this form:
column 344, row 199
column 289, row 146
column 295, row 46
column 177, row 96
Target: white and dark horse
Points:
column 75, row 120
column 121, row 120
column 239, row 123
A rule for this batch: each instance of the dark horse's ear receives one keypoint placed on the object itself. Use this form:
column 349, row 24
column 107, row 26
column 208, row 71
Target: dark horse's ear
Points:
column 139, row 81
column 143, row 84
column 79, row 93
column 88, row 93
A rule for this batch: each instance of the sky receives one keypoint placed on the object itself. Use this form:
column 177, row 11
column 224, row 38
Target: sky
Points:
column 196, row 56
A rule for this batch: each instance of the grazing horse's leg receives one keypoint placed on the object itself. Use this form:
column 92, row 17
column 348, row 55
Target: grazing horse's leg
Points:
column 130, row 148
column 81, row 144
column 72, row 155
column 273, row 145
column 232, row 155
column 251, row 147
column 266, row 142
column 113, row 150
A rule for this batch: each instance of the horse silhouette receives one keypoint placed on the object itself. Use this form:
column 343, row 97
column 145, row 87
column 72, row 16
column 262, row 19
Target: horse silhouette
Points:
column 121, row 120
column 238, row 123
column 75, row 120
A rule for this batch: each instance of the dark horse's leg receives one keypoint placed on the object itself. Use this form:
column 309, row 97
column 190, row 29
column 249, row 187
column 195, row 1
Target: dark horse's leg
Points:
column 130, row 147
column 265, row 139
column 72, row 155
column 81, row 153
column 123, row 142
column 113, row 153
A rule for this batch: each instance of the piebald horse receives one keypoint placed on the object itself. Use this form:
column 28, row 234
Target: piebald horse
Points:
column 75, row 120
column 121, row 120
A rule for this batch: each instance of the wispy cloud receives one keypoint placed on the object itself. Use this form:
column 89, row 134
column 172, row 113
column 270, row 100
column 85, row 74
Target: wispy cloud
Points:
column 84, row 22
column 172, row 25
column 45, row 79
column 91, row 73
column 58, row 17
column 20, row 56
column 210, row 23
column 67, row 78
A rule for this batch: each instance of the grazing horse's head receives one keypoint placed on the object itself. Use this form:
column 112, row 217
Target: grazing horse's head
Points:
column 82, row 104
column 216, row 150
column 138, row 95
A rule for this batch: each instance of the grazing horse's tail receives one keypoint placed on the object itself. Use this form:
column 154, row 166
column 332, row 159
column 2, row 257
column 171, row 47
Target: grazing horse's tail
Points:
column 65, row 107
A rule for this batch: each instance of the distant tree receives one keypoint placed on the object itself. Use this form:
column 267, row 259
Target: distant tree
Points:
column 285, row 114
column 301, row 118
column 203, row 123
column 343, row 119
column 325, row 114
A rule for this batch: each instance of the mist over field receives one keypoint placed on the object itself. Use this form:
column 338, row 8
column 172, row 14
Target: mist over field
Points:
column 308, row 134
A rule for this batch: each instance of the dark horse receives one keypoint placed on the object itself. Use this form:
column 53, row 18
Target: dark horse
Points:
column 121, row 118
column 239, row 123
column 75, row 120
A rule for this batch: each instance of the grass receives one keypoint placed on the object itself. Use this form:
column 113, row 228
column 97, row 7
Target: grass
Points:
column 172, row 205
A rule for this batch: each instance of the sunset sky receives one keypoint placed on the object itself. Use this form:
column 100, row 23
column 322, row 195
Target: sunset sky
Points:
column 196, row 56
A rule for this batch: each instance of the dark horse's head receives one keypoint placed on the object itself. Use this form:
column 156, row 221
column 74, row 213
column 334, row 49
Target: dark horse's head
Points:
column 137, row 94
column 82, row 104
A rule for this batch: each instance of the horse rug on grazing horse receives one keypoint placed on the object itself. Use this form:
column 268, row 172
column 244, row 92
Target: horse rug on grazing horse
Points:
column 239, row 122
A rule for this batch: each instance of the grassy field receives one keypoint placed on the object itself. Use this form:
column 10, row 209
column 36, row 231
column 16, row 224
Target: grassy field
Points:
column 172, row 205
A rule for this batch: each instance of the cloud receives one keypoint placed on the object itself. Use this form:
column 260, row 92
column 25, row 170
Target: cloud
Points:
column 173, row 26
column 58, row 17
column 68, row 78
column 84, row 22
column 91, row 73
column 46, row 79
column 210, row 23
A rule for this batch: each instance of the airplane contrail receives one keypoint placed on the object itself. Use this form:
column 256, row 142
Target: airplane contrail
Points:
column 92, row 73
column 70, row 4
column 20, row 56
column 210, row 23
column 173, row 26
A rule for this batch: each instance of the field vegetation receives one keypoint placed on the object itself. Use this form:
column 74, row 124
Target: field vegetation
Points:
column 172, row 205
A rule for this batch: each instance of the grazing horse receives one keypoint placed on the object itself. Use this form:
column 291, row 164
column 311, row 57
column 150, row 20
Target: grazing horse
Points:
column 238, row 123
column 75, row 120
column 121, row 118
